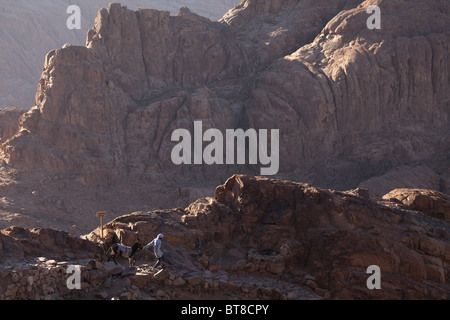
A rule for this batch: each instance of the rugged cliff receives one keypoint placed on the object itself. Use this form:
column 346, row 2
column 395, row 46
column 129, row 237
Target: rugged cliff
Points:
column 356, row 102
column 9, row 122
column 350, row 102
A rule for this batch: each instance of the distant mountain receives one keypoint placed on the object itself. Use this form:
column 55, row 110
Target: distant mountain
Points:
column 29, row 29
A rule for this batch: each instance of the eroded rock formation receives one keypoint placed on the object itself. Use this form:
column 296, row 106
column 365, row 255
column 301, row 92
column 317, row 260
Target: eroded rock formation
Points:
column 9, row 122
column 351, row 104
column 257, row 238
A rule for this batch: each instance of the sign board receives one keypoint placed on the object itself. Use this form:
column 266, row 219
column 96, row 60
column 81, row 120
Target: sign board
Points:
column 101, row 214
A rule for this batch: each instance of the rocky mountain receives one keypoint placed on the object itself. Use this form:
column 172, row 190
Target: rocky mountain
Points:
column 9, row 120
column 30, row 29
column 364, row 100
column 256, row 238
column 350, row 103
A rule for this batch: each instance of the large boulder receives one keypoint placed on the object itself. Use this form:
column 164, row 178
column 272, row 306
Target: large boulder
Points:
column 433, row 203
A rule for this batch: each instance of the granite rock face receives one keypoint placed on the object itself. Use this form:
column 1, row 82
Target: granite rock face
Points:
column 349, row 105
column 111, row 117
column 9, row 122
column 357, row 101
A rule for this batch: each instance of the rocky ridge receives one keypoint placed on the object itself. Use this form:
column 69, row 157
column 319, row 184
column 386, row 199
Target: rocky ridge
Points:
column 262, row 238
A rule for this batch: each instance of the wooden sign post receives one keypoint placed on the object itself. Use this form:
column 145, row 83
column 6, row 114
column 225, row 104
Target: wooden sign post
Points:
column 101, row 214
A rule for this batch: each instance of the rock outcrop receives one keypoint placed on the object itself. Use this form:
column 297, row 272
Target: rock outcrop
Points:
column 261, row 227
column 19, row 244
column 274, row 29
column 357, row 101
column 429, row 202
column 9, row 122
column 350, row 105
column 257, row 238
column 111, row 120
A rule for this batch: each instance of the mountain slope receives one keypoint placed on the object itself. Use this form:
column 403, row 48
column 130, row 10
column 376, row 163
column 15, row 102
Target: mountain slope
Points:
column 352, row 104
column 256, row 238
